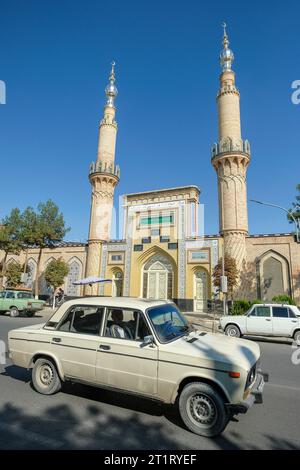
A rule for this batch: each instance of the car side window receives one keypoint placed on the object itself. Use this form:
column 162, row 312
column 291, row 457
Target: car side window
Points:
column 291, row 313
column 262, row 311
column 280, row 312
column 24, row 295
column 10, row 295
column 126, row 324
column 83, row 319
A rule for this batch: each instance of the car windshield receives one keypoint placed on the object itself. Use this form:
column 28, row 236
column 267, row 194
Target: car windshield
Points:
column 168, row 322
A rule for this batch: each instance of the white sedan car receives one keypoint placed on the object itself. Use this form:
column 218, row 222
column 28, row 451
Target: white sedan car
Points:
column 146, row 348
column 264, row 320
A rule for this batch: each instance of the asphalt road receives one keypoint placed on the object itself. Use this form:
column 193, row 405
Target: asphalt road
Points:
column 82, row 417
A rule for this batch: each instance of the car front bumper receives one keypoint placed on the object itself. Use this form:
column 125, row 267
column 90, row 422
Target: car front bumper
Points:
column 255, row 395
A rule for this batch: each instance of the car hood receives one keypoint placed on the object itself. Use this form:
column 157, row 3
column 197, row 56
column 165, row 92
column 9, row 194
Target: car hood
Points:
column 223, row 351
column 28, row 329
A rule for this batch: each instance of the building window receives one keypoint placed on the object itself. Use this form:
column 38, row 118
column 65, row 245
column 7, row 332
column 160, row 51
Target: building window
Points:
column 155, row 232
column 146, row 240
column 172, row 246
column 116, row 258
column 198, row 256
column 137, row 247
column 164, row 239
column 157, row 219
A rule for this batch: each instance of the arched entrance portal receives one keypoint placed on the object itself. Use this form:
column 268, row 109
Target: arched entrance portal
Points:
column 158, row 278
column 200, row 291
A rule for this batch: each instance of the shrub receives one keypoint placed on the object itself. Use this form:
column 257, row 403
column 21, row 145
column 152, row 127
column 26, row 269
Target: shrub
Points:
column 239, row 307
column 283, row 299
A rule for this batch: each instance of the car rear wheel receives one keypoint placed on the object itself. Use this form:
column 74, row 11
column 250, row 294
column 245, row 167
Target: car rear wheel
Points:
column 14, row 312
column 30, row 314
column 202, row 409
column 232, row 330
column 45, row 378
column 297, row 337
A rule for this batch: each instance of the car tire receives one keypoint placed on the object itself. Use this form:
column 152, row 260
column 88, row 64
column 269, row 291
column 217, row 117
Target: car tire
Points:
column 45, row 378
column 297, row 337
column 30, row 314
column 14, row 312
column 202, row 409
column 233, row 330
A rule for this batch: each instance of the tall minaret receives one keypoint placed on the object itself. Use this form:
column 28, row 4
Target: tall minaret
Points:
column 230, row 158
column 104, row 176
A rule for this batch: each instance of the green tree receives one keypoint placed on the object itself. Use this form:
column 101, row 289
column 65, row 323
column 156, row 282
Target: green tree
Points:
column 55, row 273
column 29, row 222
column 230, row 270
column 295, row 209
column 11, row 236
column 13, row 274
column 46, row 229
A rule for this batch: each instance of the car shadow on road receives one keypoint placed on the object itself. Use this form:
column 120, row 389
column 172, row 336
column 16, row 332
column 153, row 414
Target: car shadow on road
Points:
column 17, row 372
column 263, row 339
column 124, row 400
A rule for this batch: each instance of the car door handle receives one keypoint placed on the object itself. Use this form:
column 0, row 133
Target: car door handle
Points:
column 104, row 347
column 56, row 340
column 295, row 321
column 268, row 319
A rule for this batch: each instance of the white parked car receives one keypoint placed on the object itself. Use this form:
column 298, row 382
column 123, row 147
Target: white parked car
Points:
column 264, row 320
column 146, row 348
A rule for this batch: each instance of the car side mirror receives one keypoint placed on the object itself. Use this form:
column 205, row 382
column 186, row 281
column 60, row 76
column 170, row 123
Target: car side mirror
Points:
column 148, row 341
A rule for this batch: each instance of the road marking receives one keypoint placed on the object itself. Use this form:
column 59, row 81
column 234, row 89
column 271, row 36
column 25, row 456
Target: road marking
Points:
column 288, row 387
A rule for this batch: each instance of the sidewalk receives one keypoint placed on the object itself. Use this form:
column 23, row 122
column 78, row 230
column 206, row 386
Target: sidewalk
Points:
column 206, row 321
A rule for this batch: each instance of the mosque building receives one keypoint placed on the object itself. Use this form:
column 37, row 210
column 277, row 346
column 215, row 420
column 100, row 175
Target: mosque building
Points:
column 160, row 254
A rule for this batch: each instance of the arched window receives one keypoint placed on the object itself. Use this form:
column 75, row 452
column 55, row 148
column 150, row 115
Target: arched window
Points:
column 117, row 286
column 274, row 278
column 158, row 278
column 74, row 275
column 31, row 272
column 45, row 289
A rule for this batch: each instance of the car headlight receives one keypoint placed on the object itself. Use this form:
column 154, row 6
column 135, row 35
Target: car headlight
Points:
column 251, row 376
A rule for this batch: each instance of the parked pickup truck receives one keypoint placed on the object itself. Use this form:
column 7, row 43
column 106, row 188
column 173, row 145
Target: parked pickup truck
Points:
column 16, row 301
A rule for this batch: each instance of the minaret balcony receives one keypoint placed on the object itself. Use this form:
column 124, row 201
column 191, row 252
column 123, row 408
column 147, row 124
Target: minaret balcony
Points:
column 227, row 145
column 106, row 168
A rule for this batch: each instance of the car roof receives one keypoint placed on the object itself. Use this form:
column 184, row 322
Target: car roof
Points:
column 125, row 302
column 276, row 304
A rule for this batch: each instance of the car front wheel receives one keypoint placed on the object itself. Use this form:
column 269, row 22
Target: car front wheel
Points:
column 202, row 409
column 14, row 312
column 45, row 378
column 232, row 330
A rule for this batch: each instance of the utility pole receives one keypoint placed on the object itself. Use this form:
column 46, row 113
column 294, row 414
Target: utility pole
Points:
column 223, row 283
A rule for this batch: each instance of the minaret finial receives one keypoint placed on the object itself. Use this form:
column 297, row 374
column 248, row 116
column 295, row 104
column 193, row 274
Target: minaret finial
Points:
column 112, row 72
column 111, row 89
column 224, row 25
column 226, row 56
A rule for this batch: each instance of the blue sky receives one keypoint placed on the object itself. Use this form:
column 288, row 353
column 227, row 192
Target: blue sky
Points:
column 55, row 58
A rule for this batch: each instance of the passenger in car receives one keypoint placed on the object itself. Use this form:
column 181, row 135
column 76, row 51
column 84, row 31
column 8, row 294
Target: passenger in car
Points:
column 118, row 329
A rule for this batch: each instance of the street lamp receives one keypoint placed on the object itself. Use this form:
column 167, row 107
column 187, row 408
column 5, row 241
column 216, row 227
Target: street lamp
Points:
column 283, row 209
